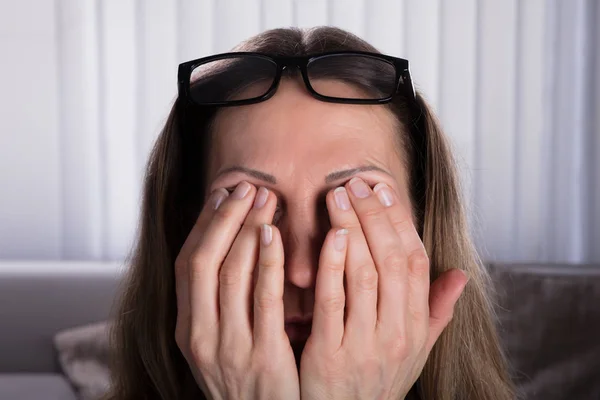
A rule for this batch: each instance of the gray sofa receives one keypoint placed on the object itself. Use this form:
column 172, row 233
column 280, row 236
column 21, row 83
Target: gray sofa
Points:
column 550, row 324
column 37, row 300
column 550, row 318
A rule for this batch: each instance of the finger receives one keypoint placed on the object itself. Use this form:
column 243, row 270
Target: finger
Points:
column 269, row 324
column 374, row 210
column 418, row 273
column 182, row 289
column 445, row 292
column 400, row 216
column 330, row 298
column 235, row 278
column 206, row 258
column 360, row 272
column 193, row 238
column 418, row 265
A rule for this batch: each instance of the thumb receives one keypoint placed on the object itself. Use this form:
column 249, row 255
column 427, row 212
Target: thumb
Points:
column 443, row 295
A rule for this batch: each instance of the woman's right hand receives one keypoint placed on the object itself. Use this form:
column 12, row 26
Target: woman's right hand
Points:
column 233, row 339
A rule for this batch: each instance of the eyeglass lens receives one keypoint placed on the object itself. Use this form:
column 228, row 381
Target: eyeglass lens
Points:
column 345, row 76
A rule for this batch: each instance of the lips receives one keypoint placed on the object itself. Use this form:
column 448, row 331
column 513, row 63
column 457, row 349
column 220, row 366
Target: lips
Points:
column 298, row 328
column 298, row 331
column 299, row 319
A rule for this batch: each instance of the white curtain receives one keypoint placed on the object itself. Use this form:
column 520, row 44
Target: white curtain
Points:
column 87, row 84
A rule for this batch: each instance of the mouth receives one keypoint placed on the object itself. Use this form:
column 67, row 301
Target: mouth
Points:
column 298, row 329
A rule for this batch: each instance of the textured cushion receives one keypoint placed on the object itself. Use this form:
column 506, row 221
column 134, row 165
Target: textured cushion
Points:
column 35, row 387
column 83, row 355
column 550, row 325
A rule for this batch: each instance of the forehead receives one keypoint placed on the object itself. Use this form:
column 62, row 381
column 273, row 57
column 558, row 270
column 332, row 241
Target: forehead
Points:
column 294, row 134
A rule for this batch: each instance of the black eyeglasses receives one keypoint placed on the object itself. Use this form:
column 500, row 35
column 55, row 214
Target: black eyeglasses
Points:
column 233, row 79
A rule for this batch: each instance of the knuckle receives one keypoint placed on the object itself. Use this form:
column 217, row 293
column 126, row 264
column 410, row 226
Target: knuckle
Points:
column 373, row 213
column 353, row 227
column 402, row 225
column 196, row 270
column 333, row 304
column 229, row 277
column 201, row 352
column 181, row 266
column 419, row 262
column 393, row 263
column 195, row 258
column 366, row 278
column 268, row 263
column 266, row 301
column 335, row 268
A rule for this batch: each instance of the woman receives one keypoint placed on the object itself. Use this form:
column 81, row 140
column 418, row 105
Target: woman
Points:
column 302, row 236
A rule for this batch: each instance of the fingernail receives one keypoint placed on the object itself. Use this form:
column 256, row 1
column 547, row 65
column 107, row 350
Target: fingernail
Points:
column 384, row 194
column 266, row 234
column 341, row 198
column 218, row 196
column 341, row 237
column 241, row 191
column 261, row 197
column 359, row 188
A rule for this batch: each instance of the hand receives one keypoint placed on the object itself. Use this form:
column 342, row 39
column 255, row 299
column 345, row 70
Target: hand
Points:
column 233, row 351
column 377, row 346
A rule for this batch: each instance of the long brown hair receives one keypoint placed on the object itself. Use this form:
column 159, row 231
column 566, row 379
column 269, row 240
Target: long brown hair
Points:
column 467, row 361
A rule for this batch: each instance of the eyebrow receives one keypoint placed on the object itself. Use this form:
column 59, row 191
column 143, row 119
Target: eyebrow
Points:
column 330, row 178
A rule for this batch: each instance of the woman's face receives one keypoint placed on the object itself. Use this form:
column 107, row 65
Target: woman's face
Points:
column 300, row 148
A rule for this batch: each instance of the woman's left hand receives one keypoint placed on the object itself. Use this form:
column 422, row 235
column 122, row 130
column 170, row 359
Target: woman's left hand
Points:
column 372, row 341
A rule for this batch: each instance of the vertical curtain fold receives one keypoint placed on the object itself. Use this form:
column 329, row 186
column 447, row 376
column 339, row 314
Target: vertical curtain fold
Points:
column 516, row 85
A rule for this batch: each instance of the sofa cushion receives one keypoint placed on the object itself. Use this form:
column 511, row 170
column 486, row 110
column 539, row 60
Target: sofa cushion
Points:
column 550, row 325
column 35, row 387
column 83, row 353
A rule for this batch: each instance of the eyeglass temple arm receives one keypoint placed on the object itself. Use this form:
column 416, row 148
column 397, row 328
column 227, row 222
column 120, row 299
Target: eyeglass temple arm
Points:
column 405, row 85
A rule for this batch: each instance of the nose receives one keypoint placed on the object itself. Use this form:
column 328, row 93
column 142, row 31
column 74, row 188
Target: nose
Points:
column 302, row 240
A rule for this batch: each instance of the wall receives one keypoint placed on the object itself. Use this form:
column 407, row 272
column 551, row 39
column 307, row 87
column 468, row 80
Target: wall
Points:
column 87, row 84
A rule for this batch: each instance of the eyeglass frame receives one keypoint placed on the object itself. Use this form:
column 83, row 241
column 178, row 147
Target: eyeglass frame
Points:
column 403, row 81
column 404, row 86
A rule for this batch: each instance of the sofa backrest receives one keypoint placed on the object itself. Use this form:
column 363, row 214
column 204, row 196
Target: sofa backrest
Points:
column 39, row 299
column 549, row 318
